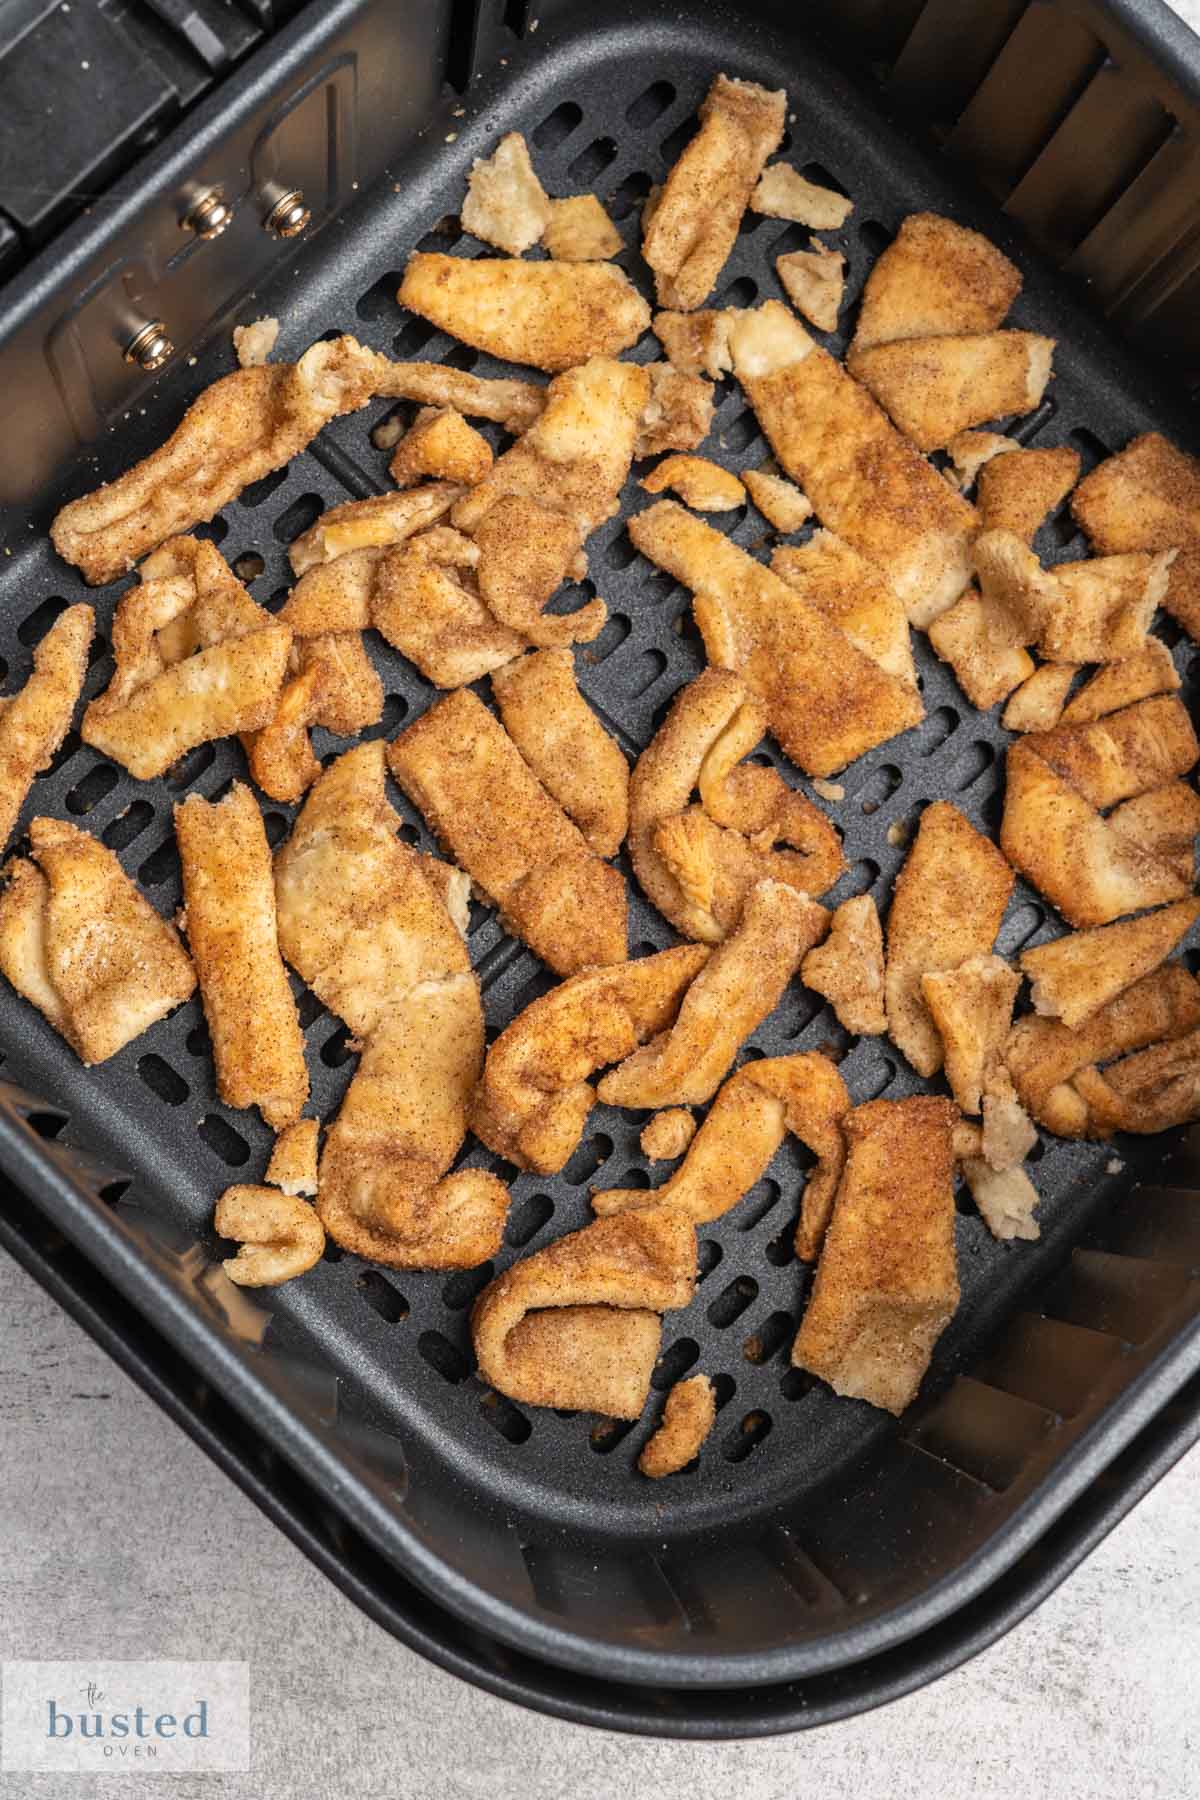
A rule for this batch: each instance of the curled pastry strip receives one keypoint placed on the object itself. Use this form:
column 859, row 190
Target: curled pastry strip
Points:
column 533, row 1101
column 1144, row 1094
column 698, row 863
column 280, row 755
column 34, row 722
column 748, row 1120
column 688, row 1417
column 577, row 1324
column 280, row 1235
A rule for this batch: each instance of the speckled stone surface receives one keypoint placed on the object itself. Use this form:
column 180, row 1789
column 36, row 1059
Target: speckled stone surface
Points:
column 118, row 1536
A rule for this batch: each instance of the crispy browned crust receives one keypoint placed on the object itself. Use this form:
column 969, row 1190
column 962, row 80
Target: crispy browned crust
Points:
column 847, row 969
column 666, row 1136
column 744, row 1128
column 565, row 745
column 350, row 696
column 441, row 444
column 280, row 1236
column 196, row 659
column 697, row 863
column 1043, row 1055
column 1124, row 754
column 458, row 765
column 935, row 387
column 229, row 900
column 986, row 668
column 678, row 414
column 506, row 204
column 696, row 343
column 293, row 1164
column 1091, row 868
column 826, row 700
column 240, row 429
column 1163, row 824
column 1017, row 490
column 947, row 905
column 426, row 603
column 972, row 1008
column 1006, row 1199
column 514, row 404
column 866, row 481
column 783, row 505
column 548, row 314
column 526, row 551
column 1144, row 1094
column 1148, row 498
column 1037, row 705
column 1104, row 606
column 934, row 279
column 737, row 989
column 855, row 595
column 534, row 1097
column 80, row 942
column 814, row 281
column 701, row 484
column 693, row 227
column 1151, row 671
column 35, row 720
column 688, row 1416
column 377, row 523
column 280, row 755
column 886, row 1285
column 612, row 1278
column 1074, row 976
column 579, row 230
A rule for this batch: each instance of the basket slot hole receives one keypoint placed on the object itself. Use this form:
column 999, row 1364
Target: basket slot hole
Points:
column 304, row 512
column 616, row 630
column 336, row 1050
column 443, row 1357
column 45, row 1123
column 806, row 1006
column 261, row 490
column 650, row 104
column 309, row 1009
column 732, row 1302
column 796, row 1383
column 975, row 761
column 675, row 141
column 674, row 1363
column 933, row 732
column 413, row 337
column 1024, row 922
column 69, row 747
column 95, row 786
column 213, row 531
column 874, row 236
column 743, row 432
column 649, row 668
column 792, row 237
column 34, row 628
column 742, row 292
column 764, row 1197
column 161, row 864
column 462, row 1287
column 115, row 1191
column 223, row 1140
column 162, row 1080
column 708, row 1255
column 606, row 1434
column 588, row 1159
column 629, row 194
column 593, row 161
column 507, row 1419
column 382, row 1297
column 395, row 709
column 747, row 1436
column 874, row 1078
column 190, row 766
column 879, row 787
column 557, row 126
column 775, row 1331
column 782, row 1249
column 249, row 565
column 1092, row 449
column 198, row 1042
column 275, row 825
column 724, row 1388
column 120, row 832
column 528, row 1219
column 537, row 984
column 379, row 301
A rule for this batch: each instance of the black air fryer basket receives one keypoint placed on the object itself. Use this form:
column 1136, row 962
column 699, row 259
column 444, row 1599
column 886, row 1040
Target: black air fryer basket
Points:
column 821, row 1557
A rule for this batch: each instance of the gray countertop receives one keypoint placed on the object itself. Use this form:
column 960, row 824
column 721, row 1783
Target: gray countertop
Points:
column 121, row 1538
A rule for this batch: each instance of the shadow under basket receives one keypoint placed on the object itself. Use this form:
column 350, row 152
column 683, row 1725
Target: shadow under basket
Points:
column 819, row 1557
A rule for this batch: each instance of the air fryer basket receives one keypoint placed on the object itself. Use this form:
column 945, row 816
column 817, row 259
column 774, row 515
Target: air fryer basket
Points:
column 815, row 1533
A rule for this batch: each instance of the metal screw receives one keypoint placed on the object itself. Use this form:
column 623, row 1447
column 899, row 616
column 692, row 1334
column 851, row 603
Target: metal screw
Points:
column 209, row 215
column 150, row 347
column 289, row 215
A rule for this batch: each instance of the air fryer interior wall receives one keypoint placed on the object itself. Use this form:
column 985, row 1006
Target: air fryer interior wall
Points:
column 815, row 1530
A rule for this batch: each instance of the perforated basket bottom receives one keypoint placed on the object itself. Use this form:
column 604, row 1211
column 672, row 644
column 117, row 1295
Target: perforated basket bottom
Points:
column 606, row 113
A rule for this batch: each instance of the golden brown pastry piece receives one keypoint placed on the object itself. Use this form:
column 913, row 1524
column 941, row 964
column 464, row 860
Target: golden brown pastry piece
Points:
column 1139, row 677
column 1148, row 498
column 1037, row 705
column 826, row 700
column 1104, row 606
column 847, row 969
column 696, row 343
column 947, row 905
column 425, row 601
column 580, row 231
column 365, row 926
column 815, row 282
column 375, row 524
column 79, row 941
column 1147, row 1093
column 35, row 720
column 1018, row 489
column 783, row 193
column 744, row 1128
column 701, row 484
column 698, row 862
column 1163, row 825
column 678, row 414
column 237, row 431
column 1072, row 977
column 196, row 659
column 551, row 315
column 534, row 1097
column 506, row 204
column 935, row 279
column 972, row 1007
column 565, row 745
column 1006, row 1199
column 866, row 481
column 687, row 237
column 935, row 387
column 886, row 1285
column 1044, row 1055
column 459, row 766
column 688, row 1416
column 577, row 1324
column 293, row 1164
column 1126, row 753
column 666, row 1136
column 780, row 502
column 854, row 595
column 229, row 901
column 513, row 404
column 737, row 989
column 441, row 444
column 987, row 668
column 1093, row 869
column 280, row 1236
column 280, row 755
